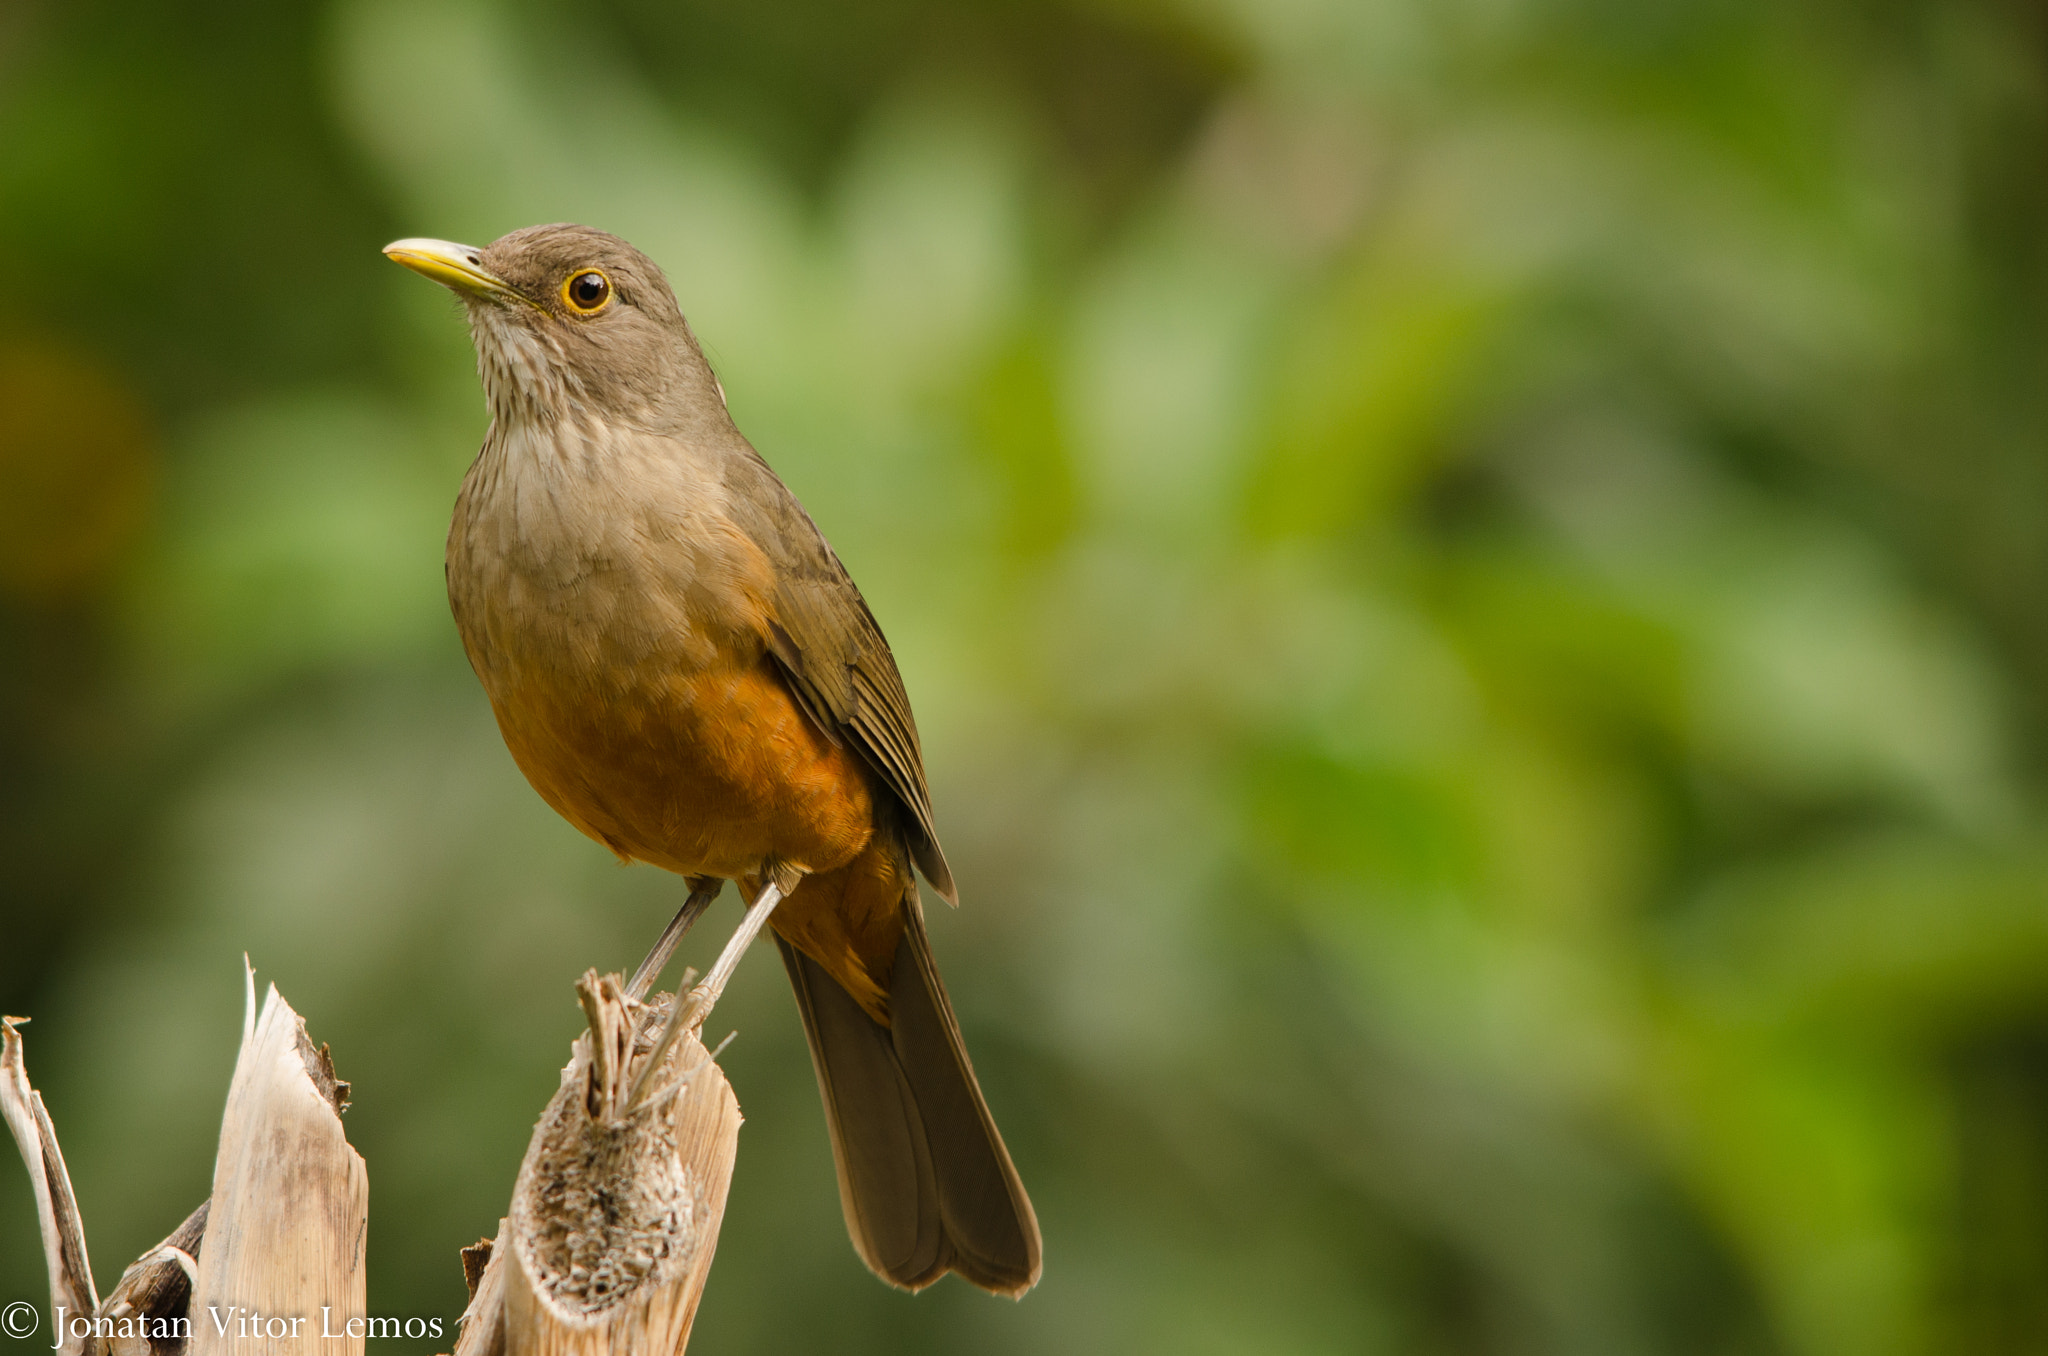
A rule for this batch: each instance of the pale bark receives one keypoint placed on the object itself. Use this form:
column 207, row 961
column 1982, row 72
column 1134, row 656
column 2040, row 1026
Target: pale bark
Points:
column 281, row 1267
column 606, row 1249
column 616, row 1212
column 71, row 1288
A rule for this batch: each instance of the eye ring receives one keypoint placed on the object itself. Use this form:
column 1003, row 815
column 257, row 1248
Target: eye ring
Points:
column 587, row 291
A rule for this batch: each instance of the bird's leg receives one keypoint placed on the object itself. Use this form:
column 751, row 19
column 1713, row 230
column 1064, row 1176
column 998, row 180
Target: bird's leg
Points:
column 701, row 998
column 692, row 1008
column 703, row 890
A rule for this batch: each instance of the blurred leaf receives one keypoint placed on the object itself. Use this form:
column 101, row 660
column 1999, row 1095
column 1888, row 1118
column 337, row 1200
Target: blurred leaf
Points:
column 77, row 471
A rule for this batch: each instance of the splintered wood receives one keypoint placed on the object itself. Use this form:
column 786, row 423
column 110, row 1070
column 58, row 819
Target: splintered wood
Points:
column 615, row 1214
column 605, row 1251
column 154, row 1296
column 281, row 1268
column 272, row 1262
column 71, row 1288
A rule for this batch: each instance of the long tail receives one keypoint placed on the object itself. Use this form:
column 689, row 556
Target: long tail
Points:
column 924, row 1179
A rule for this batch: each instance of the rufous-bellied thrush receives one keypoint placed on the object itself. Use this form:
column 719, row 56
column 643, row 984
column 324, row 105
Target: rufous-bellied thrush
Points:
column 684, row 670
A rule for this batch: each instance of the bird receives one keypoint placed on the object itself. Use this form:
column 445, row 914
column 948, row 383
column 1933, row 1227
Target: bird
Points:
column 684, row 670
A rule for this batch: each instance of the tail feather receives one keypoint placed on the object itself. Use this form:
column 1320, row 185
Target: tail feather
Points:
column 924, row 1179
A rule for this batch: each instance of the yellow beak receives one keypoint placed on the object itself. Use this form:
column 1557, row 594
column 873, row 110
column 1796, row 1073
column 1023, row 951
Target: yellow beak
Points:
column 455, row 266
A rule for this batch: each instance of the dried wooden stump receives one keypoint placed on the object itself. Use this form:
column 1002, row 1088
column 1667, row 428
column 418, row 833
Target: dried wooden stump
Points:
column 616, row 1211
column 613, row 1222
column 281, row 1267
column 272, row 1262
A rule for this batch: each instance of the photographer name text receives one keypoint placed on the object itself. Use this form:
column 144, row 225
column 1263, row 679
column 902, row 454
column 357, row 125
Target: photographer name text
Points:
column 236, row 1321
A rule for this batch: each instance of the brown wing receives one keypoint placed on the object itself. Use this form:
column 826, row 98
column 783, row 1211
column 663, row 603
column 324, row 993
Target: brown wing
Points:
column 833, row 654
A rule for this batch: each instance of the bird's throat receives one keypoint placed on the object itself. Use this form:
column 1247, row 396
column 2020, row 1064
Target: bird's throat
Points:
column 524, row 378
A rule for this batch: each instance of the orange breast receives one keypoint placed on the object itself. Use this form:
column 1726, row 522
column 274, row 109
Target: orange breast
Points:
column 708, row 773
column 711, row 775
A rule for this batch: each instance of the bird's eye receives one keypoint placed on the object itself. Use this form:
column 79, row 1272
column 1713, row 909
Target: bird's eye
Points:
column 587, row 291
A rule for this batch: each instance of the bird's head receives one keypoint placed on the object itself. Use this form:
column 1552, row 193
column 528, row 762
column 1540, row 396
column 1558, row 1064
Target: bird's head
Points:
column 570, row 322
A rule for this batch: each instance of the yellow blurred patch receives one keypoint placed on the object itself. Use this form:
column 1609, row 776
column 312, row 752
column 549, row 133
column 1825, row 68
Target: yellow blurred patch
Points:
column 77, row 470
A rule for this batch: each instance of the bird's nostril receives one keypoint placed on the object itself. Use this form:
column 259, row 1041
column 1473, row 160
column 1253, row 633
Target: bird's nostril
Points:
column 476, row 259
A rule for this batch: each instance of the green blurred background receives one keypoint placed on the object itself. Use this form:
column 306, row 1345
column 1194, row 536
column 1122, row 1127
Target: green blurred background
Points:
column 1472, row 573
